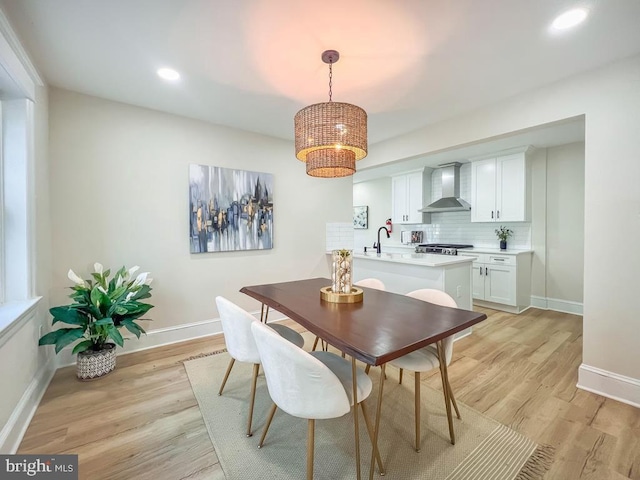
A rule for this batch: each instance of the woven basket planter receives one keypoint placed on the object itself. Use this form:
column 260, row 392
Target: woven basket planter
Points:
column 93, row 365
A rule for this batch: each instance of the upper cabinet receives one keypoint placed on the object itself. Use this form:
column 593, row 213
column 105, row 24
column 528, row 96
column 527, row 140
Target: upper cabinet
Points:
column 499, row 189
column 409, row 192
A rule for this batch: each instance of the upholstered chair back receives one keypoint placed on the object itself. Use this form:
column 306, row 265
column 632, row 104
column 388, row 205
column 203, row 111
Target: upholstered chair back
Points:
column 443, row 299
column 298, row 383
column 236, row 325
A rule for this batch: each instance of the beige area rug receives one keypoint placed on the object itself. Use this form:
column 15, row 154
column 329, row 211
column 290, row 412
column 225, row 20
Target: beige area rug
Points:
column 484, row 450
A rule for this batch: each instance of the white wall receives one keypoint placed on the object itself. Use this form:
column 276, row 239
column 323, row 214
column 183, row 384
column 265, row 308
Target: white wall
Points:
column 539, row 223
column 119, row 195
column 565, row 222
column 608, row 97
column 376, row 194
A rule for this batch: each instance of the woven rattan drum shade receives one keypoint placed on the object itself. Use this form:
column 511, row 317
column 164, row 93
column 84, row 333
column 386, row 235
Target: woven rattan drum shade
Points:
column 330, row 137
column 331, row 163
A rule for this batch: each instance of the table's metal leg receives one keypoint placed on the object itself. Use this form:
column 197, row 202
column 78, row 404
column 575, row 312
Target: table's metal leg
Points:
column 367, row 422
column 453, row 399
column 354, row 382
column 445, row 389
column 377, row 425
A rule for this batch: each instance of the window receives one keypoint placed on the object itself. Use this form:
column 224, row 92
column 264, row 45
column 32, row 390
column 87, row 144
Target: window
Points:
column 18, row 83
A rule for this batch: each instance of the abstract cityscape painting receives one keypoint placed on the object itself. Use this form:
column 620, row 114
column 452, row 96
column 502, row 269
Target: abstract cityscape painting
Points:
column 229, row 209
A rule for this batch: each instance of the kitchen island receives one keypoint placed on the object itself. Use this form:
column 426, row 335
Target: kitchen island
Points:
column 404, row 272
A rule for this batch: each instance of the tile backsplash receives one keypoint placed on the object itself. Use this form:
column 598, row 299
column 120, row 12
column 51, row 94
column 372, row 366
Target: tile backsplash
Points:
column 456, row 227
column 339, row 236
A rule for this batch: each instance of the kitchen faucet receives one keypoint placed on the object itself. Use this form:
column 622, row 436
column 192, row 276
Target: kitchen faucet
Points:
column 377, row 244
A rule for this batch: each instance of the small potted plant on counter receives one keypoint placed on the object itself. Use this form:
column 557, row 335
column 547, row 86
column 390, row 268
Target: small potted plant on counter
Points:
column 100, row 308
column 503, row 233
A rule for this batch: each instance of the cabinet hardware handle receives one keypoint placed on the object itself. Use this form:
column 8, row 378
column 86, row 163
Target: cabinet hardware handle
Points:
column 491, row 213
column 480, row 271
column 498, row 214
column 499, row 259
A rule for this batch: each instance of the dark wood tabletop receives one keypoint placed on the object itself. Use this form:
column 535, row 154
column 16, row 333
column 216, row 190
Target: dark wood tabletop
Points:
column 383, row 327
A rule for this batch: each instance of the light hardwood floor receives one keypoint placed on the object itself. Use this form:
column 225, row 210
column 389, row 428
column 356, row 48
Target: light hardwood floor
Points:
column 143, row 422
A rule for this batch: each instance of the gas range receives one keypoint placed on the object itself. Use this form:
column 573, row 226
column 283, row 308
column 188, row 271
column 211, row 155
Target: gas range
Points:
column 441, row 248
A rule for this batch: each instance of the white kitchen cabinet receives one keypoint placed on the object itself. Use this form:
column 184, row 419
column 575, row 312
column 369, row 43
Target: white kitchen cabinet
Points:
column 409, row 193
column 501, row 281
column 499, row 189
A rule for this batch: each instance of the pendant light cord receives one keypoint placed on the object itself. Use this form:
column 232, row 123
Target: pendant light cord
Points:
column 330, row 79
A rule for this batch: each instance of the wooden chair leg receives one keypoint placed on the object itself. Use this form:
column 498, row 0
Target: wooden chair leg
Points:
column 256, row 370
column 226, row 375
column 417, row 408
column 315, row 344
column 367, row 422
column 401, row 372
column 366, row 369
column 310, row 448
column 272, row 412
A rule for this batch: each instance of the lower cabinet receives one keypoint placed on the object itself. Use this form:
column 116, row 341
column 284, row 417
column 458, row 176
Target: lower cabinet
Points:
column 501, row 281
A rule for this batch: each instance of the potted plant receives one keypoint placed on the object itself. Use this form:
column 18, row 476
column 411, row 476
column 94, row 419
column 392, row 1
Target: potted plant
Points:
column 503, row 233
column 100, row 308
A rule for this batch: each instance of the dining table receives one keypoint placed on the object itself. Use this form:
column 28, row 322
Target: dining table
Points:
column 380, row 328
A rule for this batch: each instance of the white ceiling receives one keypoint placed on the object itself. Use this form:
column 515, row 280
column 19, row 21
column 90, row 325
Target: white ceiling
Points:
column 251, row 64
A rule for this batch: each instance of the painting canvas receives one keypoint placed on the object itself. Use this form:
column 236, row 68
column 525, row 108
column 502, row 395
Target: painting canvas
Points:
column 229, row 209
column 361, row 217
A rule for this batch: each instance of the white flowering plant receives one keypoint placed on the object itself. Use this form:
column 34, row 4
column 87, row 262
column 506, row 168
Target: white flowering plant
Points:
column 101, row 307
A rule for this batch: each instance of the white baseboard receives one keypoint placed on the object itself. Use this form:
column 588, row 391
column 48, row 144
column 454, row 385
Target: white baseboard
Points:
column 609, row 384
column 15, row 428
column 539, row 302
column 167, row 336
column 564, row 306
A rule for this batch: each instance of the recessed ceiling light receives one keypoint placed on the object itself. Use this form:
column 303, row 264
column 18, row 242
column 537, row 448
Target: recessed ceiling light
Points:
column 569, row 19
column 168, row 74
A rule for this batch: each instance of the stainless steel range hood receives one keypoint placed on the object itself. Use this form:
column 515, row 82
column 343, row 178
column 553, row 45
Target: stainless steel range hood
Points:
column 450, row 201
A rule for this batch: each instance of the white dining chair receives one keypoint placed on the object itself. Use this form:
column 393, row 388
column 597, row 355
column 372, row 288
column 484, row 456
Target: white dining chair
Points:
column 428, row 358
column 311, row 385
column 366, row 282
column 236, row 326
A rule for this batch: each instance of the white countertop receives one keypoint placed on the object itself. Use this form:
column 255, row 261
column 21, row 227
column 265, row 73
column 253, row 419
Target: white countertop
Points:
column 392, row 247
column 508, row 251
column 421, row 259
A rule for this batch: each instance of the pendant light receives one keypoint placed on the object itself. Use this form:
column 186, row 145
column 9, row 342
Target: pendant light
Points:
column 331, row 136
